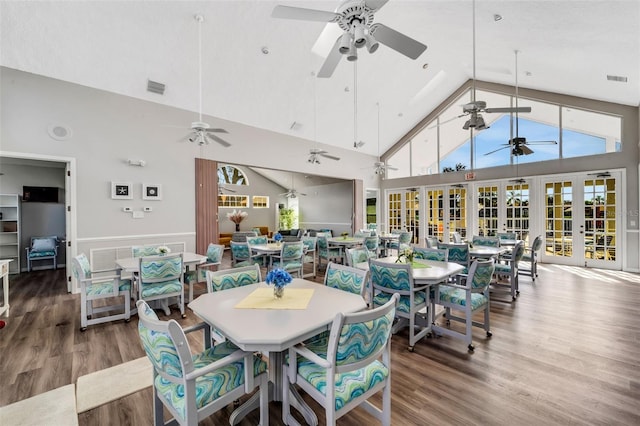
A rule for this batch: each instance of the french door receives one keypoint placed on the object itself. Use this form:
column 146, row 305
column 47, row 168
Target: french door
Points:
column 504, row 207
column 581, row 224
column 446, row 211
column 404, row 212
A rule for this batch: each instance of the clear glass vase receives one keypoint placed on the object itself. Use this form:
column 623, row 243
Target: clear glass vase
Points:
column 278, row 292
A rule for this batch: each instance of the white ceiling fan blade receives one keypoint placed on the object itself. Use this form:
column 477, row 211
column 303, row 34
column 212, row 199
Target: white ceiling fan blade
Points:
column 447, row 121
column 216, row 130
column 331, row 157
column 397, row 41
column 375, row 4
column 218, row 139
column 391, row 167
column 507, row 109
column 332, row 60
column 542, row 143
column 289, row 12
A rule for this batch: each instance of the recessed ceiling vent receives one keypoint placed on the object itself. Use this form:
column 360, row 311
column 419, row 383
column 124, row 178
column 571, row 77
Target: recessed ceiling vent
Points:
column 617, row 78
column 155, row 87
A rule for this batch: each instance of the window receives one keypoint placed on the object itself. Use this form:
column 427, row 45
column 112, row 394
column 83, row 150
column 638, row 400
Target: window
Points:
column 231, row 175
column 260, row 202
column 233, row 201
column 589, row 133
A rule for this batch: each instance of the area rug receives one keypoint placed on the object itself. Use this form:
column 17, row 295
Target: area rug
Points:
column 53, row 408
column 113, row 383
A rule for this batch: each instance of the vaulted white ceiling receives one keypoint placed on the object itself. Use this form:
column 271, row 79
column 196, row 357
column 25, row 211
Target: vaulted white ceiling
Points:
column 566, row 46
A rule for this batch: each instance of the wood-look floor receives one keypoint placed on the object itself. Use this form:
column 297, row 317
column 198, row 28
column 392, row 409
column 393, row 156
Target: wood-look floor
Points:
column 566, row 352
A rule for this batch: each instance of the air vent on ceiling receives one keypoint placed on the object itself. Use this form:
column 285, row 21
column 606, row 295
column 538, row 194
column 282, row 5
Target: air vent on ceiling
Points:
column 617, row 78
column 155, row 87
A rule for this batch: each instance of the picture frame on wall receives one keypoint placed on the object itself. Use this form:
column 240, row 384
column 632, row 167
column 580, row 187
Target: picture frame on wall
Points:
column 121, row 190
column 151, row 191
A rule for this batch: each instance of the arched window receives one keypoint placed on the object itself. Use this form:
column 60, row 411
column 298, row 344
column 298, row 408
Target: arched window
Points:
column 231, row 175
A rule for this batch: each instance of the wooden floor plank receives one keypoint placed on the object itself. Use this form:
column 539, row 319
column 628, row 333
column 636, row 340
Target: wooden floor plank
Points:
column 566, row 352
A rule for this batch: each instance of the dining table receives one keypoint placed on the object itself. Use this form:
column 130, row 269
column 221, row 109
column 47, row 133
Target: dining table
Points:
column 274, row 325
column 346, row 242
column 486, row 252
column 267, row 250
column 386, row 240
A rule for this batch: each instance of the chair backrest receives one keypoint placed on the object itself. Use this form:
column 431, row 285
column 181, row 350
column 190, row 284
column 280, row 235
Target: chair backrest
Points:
column 346, row 278
column 441, row 255
column 456, row 237
column 165, row 344
column 357, row 255
column 146, row 250
column 81, row 267
column 322, row 242
column 291, row 250
column 310, row 243
column 480, row 274
column 507, row 235
column 260, row 239
column 241, row 237
column 44, row 244
column 156, row 269
column 357, row 339
column 432, row 242
column 485, row 241
column 240, row 251
column 393, row 276
column 537, row 244
column 371, row 243
column 405, row 237
column 517, row 252
column 215, row 253
column 232, row 278
column 372, row 226
column 458, row 253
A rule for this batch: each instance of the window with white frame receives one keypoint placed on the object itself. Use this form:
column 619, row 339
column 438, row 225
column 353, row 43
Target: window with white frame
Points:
column 260, row 202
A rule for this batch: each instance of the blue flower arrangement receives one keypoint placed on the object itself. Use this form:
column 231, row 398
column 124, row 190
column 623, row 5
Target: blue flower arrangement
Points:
column 278, row 277
column 277, row 237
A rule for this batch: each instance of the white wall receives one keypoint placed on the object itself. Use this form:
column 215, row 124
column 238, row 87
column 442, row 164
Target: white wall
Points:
column 328, row 206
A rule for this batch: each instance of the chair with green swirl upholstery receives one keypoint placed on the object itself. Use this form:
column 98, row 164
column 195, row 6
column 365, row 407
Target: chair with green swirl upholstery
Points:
column 387, row 279
column 241, row 255
column 105, row 286
column 214, row 259
column 485, row 241
column 232, row 278
column 310, row 244
column 469, row 294
column 440, row 255
column 161, row 278
column 354, row 366
column 195, row 385
column 458, row 253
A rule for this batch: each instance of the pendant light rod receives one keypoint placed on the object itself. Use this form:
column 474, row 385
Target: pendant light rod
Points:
column 355, row 104
column 473, row 26
column 199, row 19
column 516, row 55
column 378, row 108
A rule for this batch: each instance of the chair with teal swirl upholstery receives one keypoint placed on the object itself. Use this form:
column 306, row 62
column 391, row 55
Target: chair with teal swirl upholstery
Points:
column 232, row 278
column 404, row 241
column 357, row 255
column 310, row 244
column 325, row 251
column 161, row 278
column 373, row 245
column 531, row 255
column 214, row 259
column 291, row 258
column 195, row 385
column 104, row 286
column 241, row 255
column 387, row 279
column 440, row 255
column 146, row 250
column 469, row 294
column 353, row 367
column 458, row 253
column 346, row 278
column 507, row 271
column 485, row 241
column 432, row 242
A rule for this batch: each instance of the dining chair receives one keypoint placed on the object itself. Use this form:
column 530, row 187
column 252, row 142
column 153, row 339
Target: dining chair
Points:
column 469, row 294
column 103, row 288
column 145, row 250
column 291, row 258
column 388, row 279
column 373, row 245
column 530, row 256
column 507, row 236
column 327, row 252
column 161, row 277
column 441, row 255
column 194, row 385
column 506, row 271
column 458, row 253
column 241, row 255
column 404, row 242
column 354, row 366
column 232, row 278
column 485, row 241
column 310, row 244
column 42, row 248
column 456, row 237
column 214, row 259
column 362, row 234
column 356, row 255
column 432, row 242
column 346, row 278
column 260, row 239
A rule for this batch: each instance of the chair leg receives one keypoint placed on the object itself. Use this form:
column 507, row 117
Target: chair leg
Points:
column 386, row 404
column 158, row 416
column 286, row 407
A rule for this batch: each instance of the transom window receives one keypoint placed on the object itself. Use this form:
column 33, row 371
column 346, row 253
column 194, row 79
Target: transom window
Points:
column 233, row 201
column 260, row 202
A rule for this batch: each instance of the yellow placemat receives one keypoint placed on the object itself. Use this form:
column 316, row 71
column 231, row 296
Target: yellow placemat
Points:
column 262, row 298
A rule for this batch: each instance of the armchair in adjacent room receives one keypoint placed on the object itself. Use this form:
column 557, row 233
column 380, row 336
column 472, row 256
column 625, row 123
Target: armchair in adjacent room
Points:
column 42, row 248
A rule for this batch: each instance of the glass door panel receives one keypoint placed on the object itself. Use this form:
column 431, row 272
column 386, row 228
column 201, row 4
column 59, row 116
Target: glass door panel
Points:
column 412, row 214
column 395, row 211
column 435, row 213
column 559, row 219
column 488, row 215
column 600, row 221
column 517, row 210
column 457, row 219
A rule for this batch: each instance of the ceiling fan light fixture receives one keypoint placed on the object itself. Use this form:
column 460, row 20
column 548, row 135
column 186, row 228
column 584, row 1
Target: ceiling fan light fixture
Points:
column 352, row 55
column 371, row 43
column 345, row 43
column 359, row 39
column 480, row 124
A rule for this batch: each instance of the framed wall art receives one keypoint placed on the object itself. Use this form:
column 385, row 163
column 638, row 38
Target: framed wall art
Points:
column 121, row 190
column 151, row 191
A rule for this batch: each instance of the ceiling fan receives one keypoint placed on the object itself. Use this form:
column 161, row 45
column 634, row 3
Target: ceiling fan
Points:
column 519, row 145
column 474, row 108
column 316, row 153
column 202, row 133
column 223, row 189
column 292, row 193
column 355, row 18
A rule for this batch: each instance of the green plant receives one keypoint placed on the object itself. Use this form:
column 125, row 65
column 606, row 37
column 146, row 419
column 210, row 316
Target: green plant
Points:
column 287, row 218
